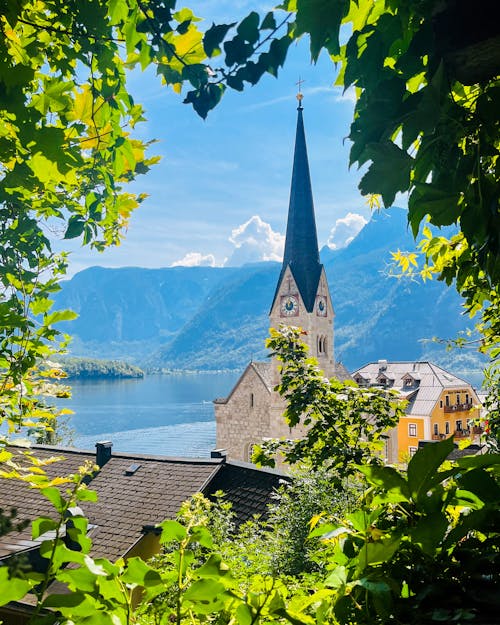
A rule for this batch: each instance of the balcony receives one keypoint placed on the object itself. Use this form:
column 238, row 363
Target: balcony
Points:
column 461, row 434
column 439, row 437
column 459, row 407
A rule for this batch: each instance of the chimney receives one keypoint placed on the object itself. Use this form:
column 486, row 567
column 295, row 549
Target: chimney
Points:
column 102, row 452
column 219, row 454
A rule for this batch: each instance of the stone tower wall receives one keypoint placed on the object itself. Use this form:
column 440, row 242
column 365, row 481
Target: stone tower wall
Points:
column 240, row 421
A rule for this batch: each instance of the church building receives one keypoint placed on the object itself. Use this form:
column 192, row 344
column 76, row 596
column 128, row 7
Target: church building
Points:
column 253, row 410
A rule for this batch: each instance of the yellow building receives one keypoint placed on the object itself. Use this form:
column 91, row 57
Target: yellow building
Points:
column 439, row 403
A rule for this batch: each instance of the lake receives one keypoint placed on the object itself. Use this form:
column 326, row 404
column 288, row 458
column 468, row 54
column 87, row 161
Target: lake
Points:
column 171, row 415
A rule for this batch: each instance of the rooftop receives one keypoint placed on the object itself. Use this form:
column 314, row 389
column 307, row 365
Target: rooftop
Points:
column 131, row 497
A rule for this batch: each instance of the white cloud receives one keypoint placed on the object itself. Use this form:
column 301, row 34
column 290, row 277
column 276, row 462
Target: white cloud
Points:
column 344, row 230
column 255, row 241
column 195, row 259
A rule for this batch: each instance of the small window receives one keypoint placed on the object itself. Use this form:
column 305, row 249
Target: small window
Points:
column 467, row 398
column 436, row 429
column 251, row 400
column 447, row 427
column 249, row 451
column 412, row 450
column 458, row 425
column 412, row 429
column 321, row 345
column 447, row 400
column 458, row 399
column 441, row 403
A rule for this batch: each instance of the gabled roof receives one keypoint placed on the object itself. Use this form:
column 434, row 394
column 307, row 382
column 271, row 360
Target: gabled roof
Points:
column 301, row 244
column 341, row 373
column 129, row 501
column 263, row 372
column 247, row 487
column 432, row 381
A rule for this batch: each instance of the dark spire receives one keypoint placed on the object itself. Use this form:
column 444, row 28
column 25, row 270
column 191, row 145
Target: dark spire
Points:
column 301, row 244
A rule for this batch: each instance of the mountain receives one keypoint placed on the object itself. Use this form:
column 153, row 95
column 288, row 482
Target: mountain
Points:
column 216, row 317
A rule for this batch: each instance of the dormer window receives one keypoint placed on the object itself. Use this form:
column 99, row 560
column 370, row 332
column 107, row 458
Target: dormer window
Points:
column 360, row 380
column 383, row 380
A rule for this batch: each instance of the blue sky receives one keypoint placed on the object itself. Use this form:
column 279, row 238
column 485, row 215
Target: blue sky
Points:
column 220, row 192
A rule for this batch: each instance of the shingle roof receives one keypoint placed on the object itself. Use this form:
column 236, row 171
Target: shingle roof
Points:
column 264, row 370
column 341, row 373
column 301, row 243
column 264, row 373
column 430, row 380
column 29, row 503
column 127, row 502
column 247, row 487
column 149, row 496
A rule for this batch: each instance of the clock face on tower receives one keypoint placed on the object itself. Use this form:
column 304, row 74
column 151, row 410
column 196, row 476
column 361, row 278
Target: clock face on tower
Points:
column 321, row 306
column 289, row 306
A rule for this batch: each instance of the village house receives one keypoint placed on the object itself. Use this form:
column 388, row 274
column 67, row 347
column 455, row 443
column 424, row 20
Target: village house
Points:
column 135, row 493
column 440, row 404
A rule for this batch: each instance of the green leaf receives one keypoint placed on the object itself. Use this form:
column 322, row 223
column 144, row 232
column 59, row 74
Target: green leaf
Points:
column 76, row 224
column 244, row 614
column 205, row 591
column 201, row 535
column 429, row 532
column 388, row 173
column 377, row 552
column 269, row 22
column 213, row 567
column 12, row 588
column 54, row 496
column 337, row 578
column 85, row 494
column 196, row 74
column 138, row 573
column 41, row 525
column 172, row 531
column 390, row 480
column 41, row 305
column 205, row 99
column 59, row 315
column 424, row 466
column 248, row 29
column 214, row 37
column 321, row 19
column 237, row 51
column 429, row 199
column 473, row 462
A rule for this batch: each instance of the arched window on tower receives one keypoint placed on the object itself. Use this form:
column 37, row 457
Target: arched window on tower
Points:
column 321, row 345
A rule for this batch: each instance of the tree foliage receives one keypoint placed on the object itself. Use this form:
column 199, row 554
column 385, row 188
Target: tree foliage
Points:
column 346, row 424
column 423, row 545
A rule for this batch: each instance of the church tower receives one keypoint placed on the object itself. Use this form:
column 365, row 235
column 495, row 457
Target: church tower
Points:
column 253, row 410
column 302, row 297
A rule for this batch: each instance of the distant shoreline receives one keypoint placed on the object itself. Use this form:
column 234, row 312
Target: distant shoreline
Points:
column 94, row 368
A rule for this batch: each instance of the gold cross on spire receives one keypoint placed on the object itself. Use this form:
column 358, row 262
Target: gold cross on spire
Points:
column 300, row 96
